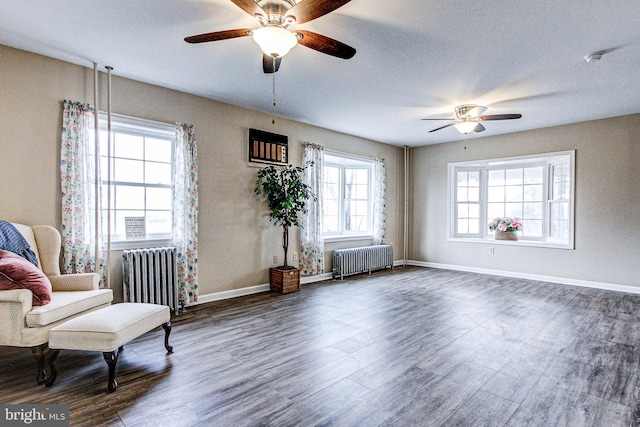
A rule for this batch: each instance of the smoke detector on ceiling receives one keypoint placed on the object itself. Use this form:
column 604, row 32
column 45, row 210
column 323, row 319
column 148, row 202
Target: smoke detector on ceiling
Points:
column 594, row 57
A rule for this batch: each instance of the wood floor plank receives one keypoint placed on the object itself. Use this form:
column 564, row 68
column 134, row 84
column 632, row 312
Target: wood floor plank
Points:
column 407, row 347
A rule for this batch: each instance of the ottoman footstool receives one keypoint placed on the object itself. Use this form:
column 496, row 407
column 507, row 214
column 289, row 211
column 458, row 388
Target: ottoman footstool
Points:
column 107, row 330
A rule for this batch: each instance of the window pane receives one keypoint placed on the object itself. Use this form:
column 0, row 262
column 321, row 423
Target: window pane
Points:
column 463, row 178
column 513, row 193
column 532, row 210
column 462, row 194
column 533, row 175
column 159, row 198
column 157, row 173
column 496, row 177
column 513, row 209
column 362, row 176
column 127, row 197
column 474, row 179
column 463, row 210
column 362, row 192
column 158, row 222
column 533, row 193
column 128, row 170
column 531, row 228
column 128, row 146
column 474, row 211
column 157, row 150
column 495, row 210
column 330, row 224
column 463, row 226
column 513, row 176
column 496, row 194
column 331, row 174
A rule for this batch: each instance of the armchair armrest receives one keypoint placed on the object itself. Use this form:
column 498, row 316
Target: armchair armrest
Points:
column 14, row 306
column 75, row 282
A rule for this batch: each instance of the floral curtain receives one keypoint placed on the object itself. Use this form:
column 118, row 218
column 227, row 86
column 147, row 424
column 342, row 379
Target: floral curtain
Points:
column 185, row 212
column 311, row 240
column 379, row 202
column 78, row 175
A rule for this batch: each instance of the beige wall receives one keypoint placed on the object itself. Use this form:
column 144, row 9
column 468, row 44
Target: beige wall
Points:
column 607, row 221
column 236, row 241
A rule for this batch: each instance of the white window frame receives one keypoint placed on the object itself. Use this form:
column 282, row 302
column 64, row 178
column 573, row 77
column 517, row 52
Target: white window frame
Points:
column 145, row 128
column 348, row 161
column 485, row 236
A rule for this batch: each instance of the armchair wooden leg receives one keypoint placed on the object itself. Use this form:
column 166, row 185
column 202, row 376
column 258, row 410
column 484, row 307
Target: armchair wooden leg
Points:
column 51, row 359
column 167, row 330
column 111, row 357
column 39, row 353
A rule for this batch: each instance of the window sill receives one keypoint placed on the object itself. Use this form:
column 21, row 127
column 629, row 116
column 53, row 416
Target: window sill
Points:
column 346, row 238
column 521, row 242
column 139, row 244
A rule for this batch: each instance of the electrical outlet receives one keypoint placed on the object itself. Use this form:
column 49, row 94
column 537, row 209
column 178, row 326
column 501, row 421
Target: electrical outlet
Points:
column 492, row 250
column 275, row 259
column 295, row 256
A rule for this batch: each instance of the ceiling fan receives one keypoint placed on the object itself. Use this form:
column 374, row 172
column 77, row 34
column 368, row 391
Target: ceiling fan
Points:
column 468, row 118
column 274, row 37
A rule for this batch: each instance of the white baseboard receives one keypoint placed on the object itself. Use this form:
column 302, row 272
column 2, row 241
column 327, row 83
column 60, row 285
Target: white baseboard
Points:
column 551, row 279
column 249, row 290
column 233, row 293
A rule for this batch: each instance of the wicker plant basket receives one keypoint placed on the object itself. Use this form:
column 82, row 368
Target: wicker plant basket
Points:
column 506, row 235
column 284, row 281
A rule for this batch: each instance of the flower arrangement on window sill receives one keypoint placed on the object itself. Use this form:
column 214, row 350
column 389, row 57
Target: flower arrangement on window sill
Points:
column 506, row 228
column 506, row 224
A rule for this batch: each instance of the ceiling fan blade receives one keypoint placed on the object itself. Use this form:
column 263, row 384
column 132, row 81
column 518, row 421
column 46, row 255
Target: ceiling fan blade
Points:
column 218, row 35
column 307, row 10
column 325, row 44
column 479, row 128
column 500, row 117
column 249, row 6
column 441, row 127
column 440, row 119
column 267, row 64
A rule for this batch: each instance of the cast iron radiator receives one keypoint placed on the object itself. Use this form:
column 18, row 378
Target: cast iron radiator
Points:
column 150, row 276
column 359, row 260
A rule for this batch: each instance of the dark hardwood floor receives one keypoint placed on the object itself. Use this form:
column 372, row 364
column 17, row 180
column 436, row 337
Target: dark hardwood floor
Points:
column 411, row 347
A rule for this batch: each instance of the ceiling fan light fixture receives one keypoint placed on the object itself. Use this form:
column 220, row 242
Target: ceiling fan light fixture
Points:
column 466, row 127
column 274, row 40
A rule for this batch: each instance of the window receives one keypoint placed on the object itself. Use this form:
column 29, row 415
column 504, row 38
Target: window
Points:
column 141, row 159
column 347, row 196
column 537, row 189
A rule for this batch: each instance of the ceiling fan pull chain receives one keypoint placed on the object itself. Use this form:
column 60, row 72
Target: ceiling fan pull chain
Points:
column 273, row 61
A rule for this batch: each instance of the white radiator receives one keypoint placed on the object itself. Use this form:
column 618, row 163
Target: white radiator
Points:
column 150, row 276
column 359, row 260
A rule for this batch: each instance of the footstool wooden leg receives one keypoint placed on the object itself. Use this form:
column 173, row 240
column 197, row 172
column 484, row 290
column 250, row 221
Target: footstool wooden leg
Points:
column 167, row 331
column 39, row 352
column 111, row 357
column 51, row 359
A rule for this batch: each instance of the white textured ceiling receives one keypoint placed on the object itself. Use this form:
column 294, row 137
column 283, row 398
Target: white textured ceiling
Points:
column 415, row 59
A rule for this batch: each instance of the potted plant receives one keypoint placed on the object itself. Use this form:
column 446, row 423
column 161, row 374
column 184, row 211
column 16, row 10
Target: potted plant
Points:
column 505, row 228
column 286, row 196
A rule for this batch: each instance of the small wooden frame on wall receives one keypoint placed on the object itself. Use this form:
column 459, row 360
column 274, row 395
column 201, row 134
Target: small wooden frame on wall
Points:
column 267, row 147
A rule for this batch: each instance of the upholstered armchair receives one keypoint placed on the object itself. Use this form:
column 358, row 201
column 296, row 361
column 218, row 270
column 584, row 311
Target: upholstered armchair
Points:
column 24, row 325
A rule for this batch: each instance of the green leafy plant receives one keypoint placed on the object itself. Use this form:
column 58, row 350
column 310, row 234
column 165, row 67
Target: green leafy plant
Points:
column 286, row 196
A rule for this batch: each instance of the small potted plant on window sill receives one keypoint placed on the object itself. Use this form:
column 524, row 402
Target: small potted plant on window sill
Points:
column 286, row 196
column 506, row 228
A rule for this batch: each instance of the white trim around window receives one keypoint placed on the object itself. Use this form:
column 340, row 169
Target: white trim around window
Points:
column 539, row 189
